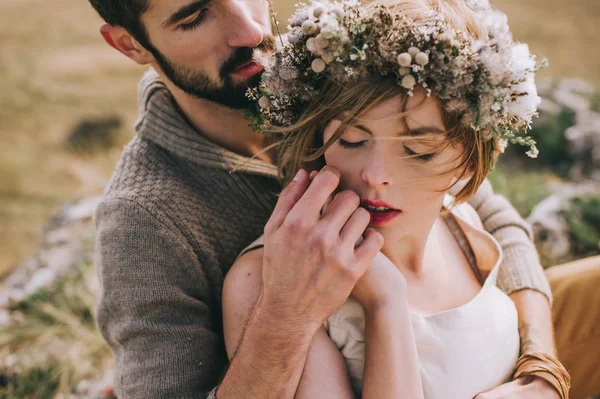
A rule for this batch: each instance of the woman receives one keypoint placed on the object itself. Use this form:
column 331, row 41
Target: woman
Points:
column 405, row 99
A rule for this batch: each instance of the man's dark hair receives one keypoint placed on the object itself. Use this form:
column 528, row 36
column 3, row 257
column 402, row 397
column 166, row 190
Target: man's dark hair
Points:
column 125, row 13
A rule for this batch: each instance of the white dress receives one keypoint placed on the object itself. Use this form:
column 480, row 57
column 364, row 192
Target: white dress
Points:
column 462, row 351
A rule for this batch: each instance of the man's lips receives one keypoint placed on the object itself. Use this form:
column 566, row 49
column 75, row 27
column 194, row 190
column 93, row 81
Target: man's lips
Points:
column 381, row 212
column 248, row 69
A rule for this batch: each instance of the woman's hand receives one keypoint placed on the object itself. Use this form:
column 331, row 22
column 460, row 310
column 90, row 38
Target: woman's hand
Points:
column 527, row 387
column 381, row 284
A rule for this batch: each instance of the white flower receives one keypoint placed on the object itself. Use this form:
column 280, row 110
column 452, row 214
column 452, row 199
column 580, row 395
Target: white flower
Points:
column 353, row 57
column 524, row 99
column 339, row 11
column 326, row 33
column 294, row 35
column 422, row 59
column 521, row 58
column 408, row 82
column 533, row 152
column 309, row 27
column 404, row 71
column 288, row 73
column 502, row 144
column 404, row 59
column 264, row 102
column 413, row 51
column 311, row 45
column 318, row 65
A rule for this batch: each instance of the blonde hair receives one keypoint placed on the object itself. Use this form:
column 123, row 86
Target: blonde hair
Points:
column 301, row 145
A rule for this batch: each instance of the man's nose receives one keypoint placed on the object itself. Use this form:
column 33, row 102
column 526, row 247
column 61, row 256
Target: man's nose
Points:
column 244, row 31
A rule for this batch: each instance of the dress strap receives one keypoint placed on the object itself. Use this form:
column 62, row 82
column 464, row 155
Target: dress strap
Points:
column 464, row 244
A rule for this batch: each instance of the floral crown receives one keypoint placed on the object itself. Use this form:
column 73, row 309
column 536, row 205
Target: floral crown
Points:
column 490, row 82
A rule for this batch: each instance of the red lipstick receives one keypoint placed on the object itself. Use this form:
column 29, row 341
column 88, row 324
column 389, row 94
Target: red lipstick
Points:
column 381, row 212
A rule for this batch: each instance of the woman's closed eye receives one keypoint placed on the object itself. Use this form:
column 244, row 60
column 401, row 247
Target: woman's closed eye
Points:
column 421, row 157
column 350, row 144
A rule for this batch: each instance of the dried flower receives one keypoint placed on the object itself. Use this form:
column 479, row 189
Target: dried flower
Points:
column 491, row 82
column 309, row 27
column 413, row 51
column 408, row 82
column 404, row 59
column 422, row 59
column 318, row 65
column 265, row 102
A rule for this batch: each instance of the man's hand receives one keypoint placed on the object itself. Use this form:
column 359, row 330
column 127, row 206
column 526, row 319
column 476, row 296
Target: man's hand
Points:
column 311, row 261
column 522, row 388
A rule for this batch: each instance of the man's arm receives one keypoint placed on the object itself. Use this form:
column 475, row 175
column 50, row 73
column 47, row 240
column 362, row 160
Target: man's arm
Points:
column 520, row 267
column 522, row 277
column 155, row 307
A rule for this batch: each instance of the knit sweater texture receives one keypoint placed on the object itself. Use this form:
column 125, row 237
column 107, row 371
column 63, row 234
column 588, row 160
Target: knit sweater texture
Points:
column 176, row 213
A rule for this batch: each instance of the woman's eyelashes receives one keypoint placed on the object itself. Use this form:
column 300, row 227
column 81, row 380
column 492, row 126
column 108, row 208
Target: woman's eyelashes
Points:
column 420, row 157
column 195, row 22
column 348, row 144
column 411, row 153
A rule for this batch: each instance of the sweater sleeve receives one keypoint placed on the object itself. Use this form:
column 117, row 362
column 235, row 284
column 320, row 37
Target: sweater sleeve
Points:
column 521, row 268
column 153, row 309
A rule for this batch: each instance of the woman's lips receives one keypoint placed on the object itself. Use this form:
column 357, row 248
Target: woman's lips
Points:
column 381, row 212
column 248, row 70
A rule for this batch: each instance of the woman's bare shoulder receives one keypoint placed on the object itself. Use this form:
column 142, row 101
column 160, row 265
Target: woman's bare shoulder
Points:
column 245, row 276
column 240, row 292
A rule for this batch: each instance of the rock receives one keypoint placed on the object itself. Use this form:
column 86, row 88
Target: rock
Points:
column 549, row 221
column 545, row 87
column 571, row 100
column 79, row 210
column 578, row 86
column 550, row 228
column 549, row 107
column 67, row 241
column 583, row 145
column 90, row 135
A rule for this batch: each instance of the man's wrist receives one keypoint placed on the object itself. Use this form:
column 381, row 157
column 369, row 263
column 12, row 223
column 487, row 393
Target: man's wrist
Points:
column 272, row 350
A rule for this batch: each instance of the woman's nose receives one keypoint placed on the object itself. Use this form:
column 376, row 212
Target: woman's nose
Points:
column 244, row 31
column 377, row 172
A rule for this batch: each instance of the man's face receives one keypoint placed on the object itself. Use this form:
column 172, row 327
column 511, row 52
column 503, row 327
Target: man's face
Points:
column 205, row 46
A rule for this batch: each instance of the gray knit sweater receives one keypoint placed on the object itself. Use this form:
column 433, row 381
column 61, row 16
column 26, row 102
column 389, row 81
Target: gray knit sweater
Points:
column 173, row 219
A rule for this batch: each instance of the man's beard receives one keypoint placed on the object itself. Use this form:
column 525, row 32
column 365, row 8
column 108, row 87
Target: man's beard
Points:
column 198, row 84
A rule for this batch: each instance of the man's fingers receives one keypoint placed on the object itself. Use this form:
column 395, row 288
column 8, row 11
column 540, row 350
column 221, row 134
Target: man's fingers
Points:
column 367, row 249
column 314, row 198
column 355, row 227
column 339, row 209
column 287, row 199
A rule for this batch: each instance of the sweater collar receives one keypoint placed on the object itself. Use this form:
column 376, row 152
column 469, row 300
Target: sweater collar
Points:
column 161, row 122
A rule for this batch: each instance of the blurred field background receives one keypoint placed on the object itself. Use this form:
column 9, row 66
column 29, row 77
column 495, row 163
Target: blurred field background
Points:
column 59, row 81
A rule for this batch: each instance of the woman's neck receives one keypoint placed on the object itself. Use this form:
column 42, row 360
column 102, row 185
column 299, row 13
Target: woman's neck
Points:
column 413, row 254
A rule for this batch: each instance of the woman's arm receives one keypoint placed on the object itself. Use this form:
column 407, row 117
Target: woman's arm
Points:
column 392, row 364
column 391, row 359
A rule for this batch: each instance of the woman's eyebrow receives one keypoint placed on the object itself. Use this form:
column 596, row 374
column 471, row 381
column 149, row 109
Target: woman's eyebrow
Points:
column 425, row 129
column 358, row 126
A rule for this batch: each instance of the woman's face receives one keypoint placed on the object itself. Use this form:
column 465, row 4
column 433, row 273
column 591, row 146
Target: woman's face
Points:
column 401, row 180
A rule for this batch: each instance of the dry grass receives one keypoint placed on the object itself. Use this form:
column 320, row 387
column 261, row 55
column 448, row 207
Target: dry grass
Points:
column 56, row 70
column 55, row 344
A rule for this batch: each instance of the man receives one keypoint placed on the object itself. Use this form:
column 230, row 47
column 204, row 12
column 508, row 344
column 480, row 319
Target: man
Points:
column 195, row 186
